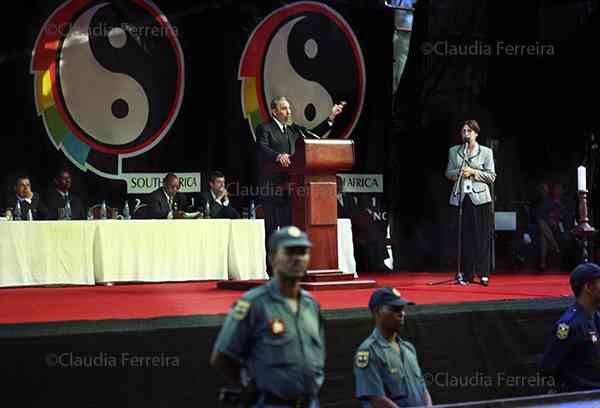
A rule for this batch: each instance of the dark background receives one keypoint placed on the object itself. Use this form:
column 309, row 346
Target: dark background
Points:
column 541, row 110
column 210, row 131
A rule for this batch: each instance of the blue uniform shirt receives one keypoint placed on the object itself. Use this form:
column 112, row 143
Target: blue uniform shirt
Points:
column 283, row 351
column 572, row 354
column 379, row 370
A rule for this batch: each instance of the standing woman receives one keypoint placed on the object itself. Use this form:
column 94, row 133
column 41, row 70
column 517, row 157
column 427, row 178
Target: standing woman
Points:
column 472, row 185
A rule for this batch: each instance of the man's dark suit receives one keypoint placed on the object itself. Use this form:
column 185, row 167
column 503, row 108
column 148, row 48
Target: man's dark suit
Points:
column 159, row 205
column 271, row 142
column 38, row 209
column 218, row 210
column 56, row 200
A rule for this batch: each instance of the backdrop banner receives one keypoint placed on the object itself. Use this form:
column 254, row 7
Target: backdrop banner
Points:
column 121, row 92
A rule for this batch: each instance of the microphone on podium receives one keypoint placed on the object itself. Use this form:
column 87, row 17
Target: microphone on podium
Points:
column 466, row 139
column 304, row 131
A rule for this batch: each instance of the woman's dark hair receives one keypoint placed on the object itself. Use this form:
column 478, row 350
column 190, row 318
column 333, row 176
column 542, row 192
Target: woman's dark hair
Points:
column 472, row 124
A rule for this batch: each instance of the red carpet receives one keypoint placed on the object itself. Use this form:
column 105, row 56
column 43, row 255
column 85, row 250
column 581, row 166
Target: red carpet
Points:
column 29, row 305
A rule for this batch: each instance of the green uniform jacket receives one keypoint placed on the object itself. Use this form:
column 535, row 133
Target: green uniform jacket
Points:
column 282, row 351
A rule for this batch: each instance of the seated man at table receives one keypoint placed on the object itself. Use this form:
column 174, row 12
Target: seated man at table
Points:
column 58, row 197
column 25, row 199
column 166, row 201
column 217, row 198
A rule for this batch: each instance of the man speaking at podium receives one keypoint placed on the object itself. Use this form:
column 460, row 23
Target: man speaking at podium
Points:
column 276, row 140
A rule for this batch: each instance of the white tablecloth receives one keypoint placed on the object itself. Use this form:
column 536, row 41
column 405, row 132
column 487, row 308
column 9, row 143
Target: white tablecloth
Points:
column 247, row 254
column 89, row 252
column 46, row 253
column 346, row 260
column 161, row 250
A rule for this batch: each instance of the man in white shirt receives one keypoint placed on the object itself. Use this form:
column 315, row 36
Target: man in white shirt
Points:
column 217, row 198
column 27, row 201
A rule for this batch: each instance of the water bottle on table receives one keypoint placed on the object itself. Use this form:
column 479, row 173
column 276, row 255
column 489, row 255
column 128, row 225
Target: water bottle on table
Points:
column 103, row 212
column 207, row 210
column 126, row 213
column 67, row 210
column 18, row 212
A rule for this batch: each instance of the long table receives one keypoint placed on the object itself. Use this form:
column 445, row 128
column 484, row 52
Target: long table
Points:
column 41, row 253
column 89, row 252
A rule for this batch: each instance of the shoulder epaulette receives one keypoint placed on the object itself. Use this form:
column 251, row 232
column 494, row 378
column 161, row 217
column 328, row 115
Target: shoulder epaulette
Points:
column 568, row 315
column 365, row 345
column 409, row 345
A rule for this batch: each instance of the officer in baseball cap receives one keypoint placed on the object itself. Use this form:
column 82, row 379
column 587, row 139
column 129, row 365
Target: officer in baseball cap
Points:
column 582, row 274
column 387, row 296
column 278, row 356
column 386, row 369
column 289, row 237
column 572, row 353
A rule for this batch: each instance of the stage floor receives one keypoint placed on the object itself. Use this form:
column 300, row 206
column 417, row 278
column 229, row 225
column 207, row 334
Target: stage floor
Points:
column 152, row 300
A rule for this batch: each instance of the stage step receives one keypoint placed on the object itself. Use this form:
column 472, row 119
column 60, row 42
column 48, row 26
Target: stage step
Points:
column 240, row 284
column 329, row 277
column 350, row 284
column 312, row 286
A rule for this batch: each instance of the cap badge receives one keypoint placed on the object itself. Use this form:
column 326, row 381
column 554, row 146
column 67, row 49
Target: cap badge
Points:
column 294, row 232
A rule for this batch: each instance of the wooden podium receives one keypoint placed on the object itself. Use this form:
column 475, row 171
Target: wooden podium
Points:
column 314, row 196
column 313, row 190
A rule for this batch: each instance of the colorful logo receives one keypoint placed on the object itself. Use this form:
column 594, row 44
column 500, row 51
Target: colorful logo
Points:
column 109, row 80
column 308, row 53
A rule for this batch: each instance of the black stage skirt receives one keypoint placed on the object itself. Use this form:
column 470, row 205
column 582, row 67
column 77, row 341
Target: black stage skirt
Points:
column 476, row 239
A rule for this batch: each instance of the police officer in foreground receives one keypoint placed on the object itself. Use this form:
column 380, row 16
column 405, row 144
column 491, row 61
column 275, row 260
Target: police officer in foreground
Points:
column 386, row 369
column 274, row 336
column 572, row 354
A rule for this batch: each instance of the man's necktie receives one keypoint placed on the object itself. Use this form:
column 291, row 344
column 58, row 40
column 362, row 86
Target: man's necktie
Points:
column 288, row 137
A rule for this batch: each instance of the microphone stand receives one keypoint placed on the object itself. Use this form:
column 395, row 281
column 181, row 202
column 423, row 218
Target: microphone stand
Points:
column 458, row 190
column 492, row 231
